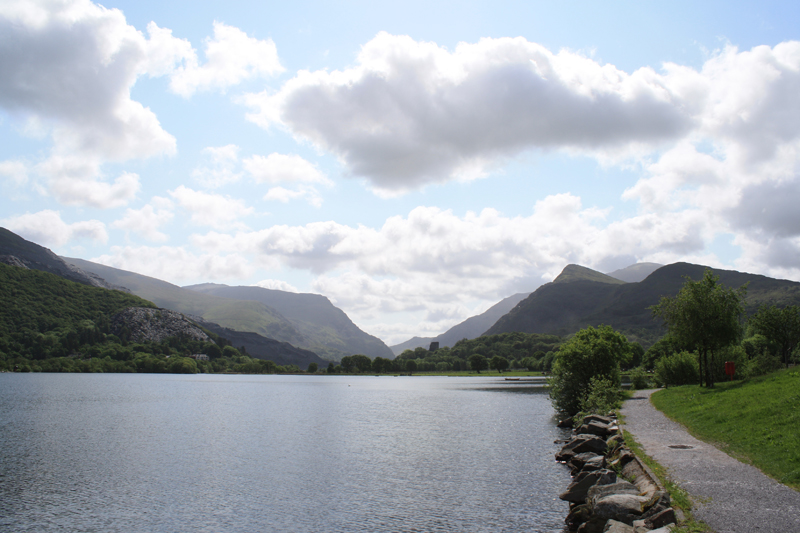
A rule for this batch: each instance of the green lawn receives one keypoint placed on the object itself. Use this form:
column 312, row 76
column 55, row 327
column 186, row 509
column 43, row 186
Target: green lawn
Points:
column 756, row 421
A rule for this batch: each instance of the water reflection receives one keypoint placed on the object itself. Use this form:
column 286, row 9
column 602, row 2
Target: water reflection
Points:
column 276, row 453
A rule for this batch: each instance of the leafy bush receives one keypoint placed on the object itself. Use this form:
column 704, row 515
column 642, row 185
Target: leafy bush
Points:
column 639, row 379
column 603, row 396
column 590, row 354
column 677, row 369
column 763, row 363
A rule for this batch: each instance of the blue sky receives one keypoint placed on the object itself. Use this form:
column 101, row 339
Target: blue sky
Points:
column 415, row 162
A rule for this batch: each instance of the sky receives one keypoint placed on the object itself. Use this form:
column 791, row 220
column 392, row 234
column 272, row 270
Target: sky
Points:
column 415, row 162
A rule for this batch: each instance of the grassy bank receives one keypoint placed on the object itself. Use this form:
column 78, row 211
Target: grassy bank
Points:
column 755, row 421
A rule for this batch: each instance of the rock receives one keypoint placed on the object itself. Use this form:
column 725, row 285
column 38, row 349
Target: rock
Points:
column 665, row 529
column 601, row 491
column 577, row 490
column 580, row 460
column 622, row 507
column 589, row 443
column 579, row 444
column 146, row 324
column 594, row 525
column 596, row 428
column 661, row 519
column 565, row 424
column 612, row 526
column 597, row 418
column 578, row 515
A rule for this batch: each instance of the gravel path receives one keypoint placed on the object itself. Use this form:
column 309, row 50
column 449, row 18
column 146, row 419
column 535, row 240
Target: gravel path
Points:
column 729, row 496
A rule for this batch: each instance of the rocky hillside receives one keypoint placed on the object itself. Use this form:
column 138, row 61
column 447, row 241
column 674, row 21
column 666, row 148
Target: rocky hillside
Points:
column 16, row 251
column 141, row 324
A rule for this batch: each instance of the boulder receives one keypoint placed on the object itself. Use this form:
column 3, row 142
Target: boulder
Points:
column 601, row 491
column 661, row 519
column 578, row 515
column 579, row 461
column 578, row 489
column 596, row 428
column 579, row 444
column 597, row 418
column 612, row 526
column 621, row 507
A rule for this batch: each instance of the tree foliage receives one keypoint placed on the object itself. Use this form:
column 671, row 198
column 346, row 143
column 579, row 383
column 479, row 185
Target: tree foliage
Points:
column 590, row 353
column 704, row 316
column 478, row 362
column 780, row 327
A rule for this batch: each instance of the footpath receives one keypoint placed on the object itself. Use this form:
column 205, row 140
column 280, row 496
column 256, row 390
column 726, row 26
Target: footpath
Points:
column 730, row 496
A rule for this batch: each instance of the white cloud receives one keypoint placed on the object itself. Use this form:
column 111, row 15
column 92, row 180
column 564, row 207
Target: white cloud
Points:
column 276, row 284
column 411, row 113
column 212, row 210
column 176, row 264
column 283, row 168
column 221, row 168
column 14, row 171
column 232, row 57
column 46, row 228
column 147, row 221
column 70, row 66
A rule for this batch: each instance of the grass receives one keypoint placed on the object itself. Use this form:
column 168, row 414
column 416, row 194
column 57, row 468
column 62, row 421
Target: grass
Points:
column 679, row 497
column 754, row 421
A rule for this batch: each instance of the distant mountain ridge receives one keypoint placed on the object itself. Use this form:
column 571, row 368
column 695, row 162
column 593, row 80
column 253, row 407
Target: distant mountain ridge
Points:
column 313, row 315
column 331, row 340
column 468, row 329
column 583, row 299
column 635, row 273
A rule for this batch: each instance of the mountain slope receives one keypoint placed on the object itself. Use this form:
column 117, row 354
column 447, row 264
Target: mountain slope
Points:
column 332, row 339
column 635, row 273
column 327, row 327
column 566, row 307
column 470, row 328
column 16, row 251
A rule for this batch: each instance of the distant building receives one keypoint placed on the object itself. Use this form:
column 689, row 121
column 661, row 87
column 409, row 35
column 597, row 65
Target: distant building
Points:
column 434, row 347
column 199, row 357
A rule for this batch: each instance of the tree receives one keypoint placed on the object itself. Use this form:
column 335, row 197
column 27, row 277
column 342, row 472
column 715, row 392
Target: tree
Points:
column 361, row 362
column 348, row 365
column 477, row 362
column 704, row 315
column 779, row 326
column 498, row 363
column 590, row 353
column 331, row 368
column 312, row 368
column 411, row 366
column 381, row 365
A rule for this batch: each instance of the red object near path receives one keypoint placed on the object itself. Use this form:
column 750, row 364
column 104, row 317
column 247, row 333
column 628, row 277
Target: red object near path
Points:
column 730, row 369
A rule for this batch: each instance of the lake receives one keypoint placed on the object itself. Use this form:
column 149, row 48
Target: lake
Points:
column 213, row 453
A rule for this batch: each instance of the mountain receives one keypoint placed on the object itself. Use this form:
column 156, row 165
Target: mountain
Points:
column 635, row 273
column 582, row 298
column 470, row 328
column 333, row 337
column 315, row 317
column 16, row 251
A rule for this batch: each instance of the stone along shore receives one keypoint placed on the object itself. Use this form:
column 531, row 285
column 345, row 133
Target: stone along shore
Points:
column 611, row 490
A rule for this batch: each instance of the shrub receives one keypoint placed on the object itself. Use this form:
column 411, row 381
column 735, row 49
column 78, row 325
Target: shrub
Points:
column 639, row 379
column 677, row 369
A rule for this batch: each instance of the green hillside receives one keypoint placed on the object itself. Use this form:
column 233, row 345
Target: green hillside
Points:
column 308, row 321
column 753, row 420
column 327, row 328
column 581, row 300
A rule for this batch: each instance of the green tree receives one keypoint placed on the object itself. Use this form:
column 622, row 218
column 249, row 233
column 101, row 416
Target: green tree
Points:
column 779, row 326
column 590, row 353
column 381, row 365
column 312, row 368
column 331, row 368
column 498, row 363
column 348, row 364
column 411, row 366
column 477, row 362
column 704, row 316
column 362, row 362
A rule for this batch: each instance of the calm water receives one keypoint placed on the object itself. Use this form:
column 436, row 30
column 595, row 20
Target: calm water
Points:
column 128, row 452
